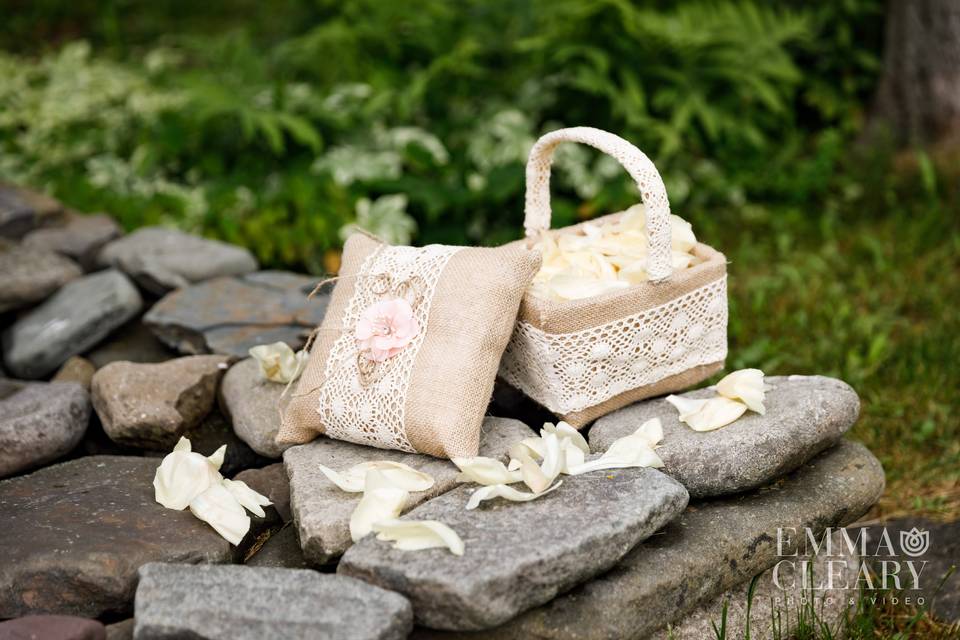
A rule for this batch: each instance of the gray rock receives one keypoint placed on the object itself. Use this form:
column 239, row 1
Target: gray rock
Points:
column 75, row 534
column 31, row 275
column 713, row 546
column 74, row 319
column 270, row 481
column 22, row 210
column 40, row 422
column 519, row 555
column 215, row 430
column 133, row 342
column 282, row 550
column 52, row 628
column 76, row 369
column 782, row 597
column 230, row 315
column 238, row 603
column 152, row 405
column 253, row 405
column 79, row 237
column 322, row 511
column 805, row 415
column 122, row 630
column 161, row 259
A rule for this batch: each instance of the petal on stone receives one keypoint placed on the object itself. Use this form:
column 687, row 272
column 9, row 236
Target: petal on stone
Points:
column 278, row 362
column 715, row 413
column 686, row 406
column 485, row 471
column 380, row 501
column 182, row 476
column 415, row 535
column 506, row 492
column 398, row 475
column 247, row 497
column 565, row 431
column 218, row 507
column 634, row 450
column 216, row 458
column 746, row 385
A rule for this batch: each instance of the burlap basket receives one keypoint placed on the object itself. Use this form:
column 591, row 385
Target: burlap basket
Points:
column 432, row 395
column 582, row 359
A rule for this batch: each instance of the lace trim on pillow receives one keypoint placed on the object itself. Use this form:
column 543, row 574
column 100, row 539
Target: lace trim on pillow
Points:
column 571, row 372
column 367, row 407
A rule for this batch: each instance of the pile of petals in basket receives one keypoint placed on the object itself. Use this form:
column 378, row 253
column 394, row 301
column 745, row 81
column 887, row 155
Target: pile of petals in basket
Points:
column 188, row 479
column 606, row 256
column 537, row 462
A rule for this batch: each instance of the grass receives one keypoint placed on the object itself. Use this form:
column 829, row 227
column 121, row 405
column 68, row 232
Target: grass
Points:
column 872, row 615
column 865, row 290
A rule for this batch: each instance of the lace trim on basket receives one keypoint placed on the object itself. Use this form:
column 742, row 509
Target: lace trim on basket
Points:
column 571, row 372
column 365, row 402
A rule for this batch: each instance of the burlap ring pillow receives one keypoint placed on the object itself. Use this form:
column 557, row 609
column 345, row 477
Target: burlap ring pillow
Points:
column 407, row 353
column 585, row 358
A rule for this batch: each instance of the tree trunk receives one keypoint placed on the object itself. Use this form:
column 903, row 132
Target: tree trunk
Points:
column 918, row 99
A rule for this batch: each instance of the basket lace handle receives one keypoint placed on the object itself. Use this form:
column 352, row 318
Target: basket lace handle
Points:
column 637, row 164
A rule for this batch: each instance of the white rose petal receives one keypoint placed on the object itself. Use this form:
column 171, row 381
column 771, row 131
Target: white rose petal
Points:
column 712, row 413
column 602, row 257
column 380, row 501
column 687, row 406
column 399, row 475
column 278, row 362
column 414, row 535
column 247, row 497
column 504, row 491
column 486, row 471
column 747, row 386
column 218, row 507
column 183, row 475
column 565, row 431
column 634, row 450
column 681, row 234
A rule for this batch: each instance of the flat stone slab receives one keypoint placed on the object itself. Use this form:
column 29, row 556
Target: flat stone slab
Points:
column 76, row 533
column 519, row 554
column 161, row 259
column 133, row 342
column 783, row 597
column 282, row 549
column 74, row 319
column 270, row 481
column 22, row 210
column 40, row 422
column 152, row 405
column 805, row 415
column 712, row 547
column 322, row 510
column 230, row 315
column 79, row 237
column 122, row 630
column 52, row 628
column 240, row 603
column 253, row 405
column 31, row 275
column 76, row 369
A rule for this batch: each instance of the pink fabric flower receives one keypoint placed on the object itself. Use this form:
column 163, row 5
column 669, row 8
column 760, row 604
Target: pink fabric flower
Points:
column 385, row 328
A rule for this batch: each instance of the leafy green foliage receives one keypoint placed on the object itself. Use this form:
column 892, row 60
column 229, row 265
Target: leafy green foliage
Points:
column 276, row 135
